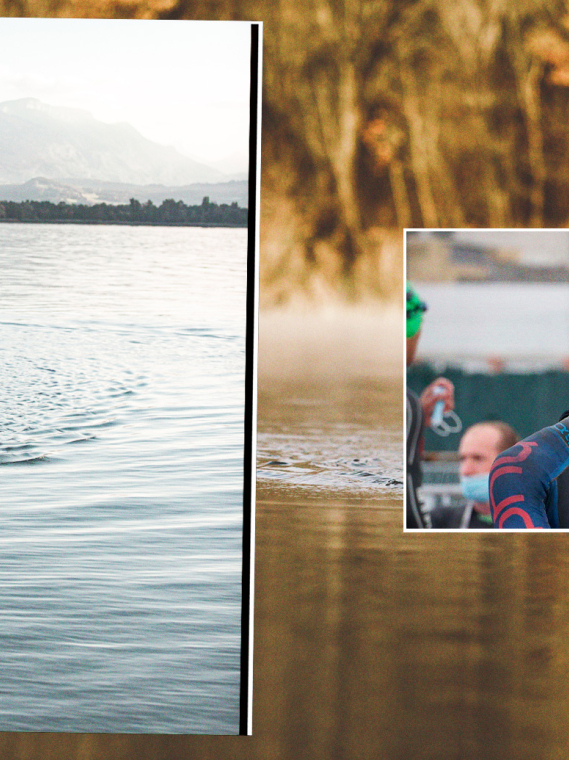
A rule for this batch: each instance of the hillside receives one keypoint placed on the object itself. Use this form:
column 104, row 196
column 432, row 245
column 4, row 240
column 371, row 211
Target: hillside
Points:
column 39, row 140
column 95, row 191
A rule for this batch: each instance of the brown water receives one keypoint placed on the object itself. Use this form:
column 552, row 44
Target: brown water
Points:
column 369, row 643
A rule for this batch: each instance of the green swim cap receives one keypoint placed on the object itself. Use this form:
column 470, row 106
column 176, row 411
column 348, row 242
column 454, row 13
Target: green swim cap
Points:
column 415, row 310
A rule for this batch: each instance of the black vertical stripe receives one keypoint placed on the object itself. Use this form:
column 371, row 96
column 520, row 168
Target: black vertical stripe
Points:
column 250, row 369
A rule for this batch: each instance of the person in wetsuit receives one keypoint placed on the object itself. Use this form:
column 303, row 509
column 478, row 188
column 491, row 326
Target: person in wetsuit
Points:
column 418, row 415
column 529, row 483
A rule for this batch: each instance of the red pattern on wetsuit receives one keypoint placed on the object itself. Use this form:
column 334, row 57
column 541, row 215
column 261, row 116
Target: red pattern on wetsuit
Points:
column 500, row 511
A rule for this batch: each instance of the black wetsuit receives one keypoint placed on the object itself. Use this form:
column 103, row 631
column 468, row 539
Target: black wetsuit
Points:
column 415, row 516
column 459, row 517
column 529, row 483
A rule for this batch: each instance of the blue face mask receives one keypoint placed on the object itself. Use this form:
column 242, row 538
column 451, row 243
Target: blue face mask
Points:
column 476, row 487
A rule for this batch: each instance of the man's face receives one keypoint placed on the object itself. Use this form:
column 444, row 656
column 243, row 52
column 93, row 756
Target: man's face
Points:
column 478, row 448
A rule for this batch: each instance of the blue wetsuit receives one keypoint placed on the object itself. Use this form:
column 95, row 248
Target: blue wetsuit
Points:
column 529, row 483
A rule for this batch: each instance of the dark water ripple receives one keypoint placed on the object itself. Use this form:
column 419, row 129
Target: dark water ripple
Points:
column 57, row 401
column 362, row 461
column 337, row 435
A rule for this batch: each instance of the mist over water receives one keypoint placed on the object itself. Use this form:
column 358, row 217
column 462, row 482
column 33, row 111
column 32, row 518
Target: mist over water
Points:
column 121, row 469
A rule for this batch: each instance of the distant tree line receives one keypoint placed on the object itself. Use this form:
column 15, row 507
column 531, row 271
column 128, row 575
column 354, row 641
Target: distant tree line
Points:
column 169, row 212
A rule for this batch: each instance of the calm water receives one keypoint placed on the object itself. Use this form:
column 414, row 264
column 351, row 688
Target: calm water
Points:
column 121, row 478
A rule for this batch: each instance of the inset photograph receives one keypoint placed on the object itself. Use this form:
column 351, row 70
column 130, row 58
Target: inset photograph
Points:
column 127, row 306
column 487, row 388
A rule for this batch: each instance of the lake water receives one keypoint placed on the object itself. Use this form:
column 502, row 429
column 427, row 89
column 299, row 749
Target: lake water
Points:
column 121, row 477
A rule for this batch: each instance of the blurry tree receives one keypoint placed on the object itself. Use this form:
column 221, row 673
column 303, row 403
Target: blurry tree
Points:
column 385, row 114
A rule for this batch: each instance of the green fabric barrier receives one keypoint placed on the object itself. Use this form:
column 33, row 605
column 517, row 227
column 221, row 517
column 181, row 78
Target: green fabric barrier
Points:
column 527, row 402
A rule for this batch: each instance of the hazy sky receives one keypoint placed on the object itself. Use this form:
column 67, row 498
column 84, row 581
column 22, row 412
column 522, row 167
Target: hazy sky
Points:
column 181, row 83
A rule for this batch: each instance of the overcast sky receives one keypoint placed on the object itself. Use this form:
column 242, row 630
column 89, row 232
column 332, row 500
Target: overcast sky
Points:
column 180, row 83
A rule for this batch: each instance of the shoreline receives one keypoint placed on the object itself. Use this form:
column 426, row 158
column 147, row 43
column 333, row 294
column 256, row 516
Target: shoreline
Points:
column 121, row 223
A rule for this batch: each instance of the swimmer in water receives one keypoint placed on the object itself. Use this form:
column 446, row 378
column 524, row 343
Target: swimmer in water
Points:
column 529, row 483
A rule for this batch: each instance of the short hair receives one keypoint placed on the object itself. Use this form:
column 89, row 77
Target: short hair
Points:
column 508, row 436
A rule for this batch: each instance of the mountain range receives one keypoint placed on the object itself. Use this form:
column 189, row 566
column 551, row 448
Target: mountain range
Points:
column 94, row 191
column 66, row 154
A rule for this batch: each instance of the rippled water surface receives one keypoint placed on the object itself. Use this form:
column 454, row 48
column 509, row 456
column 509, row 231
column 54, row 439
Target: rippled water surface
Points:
column 121, row 467
column 330, row 436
